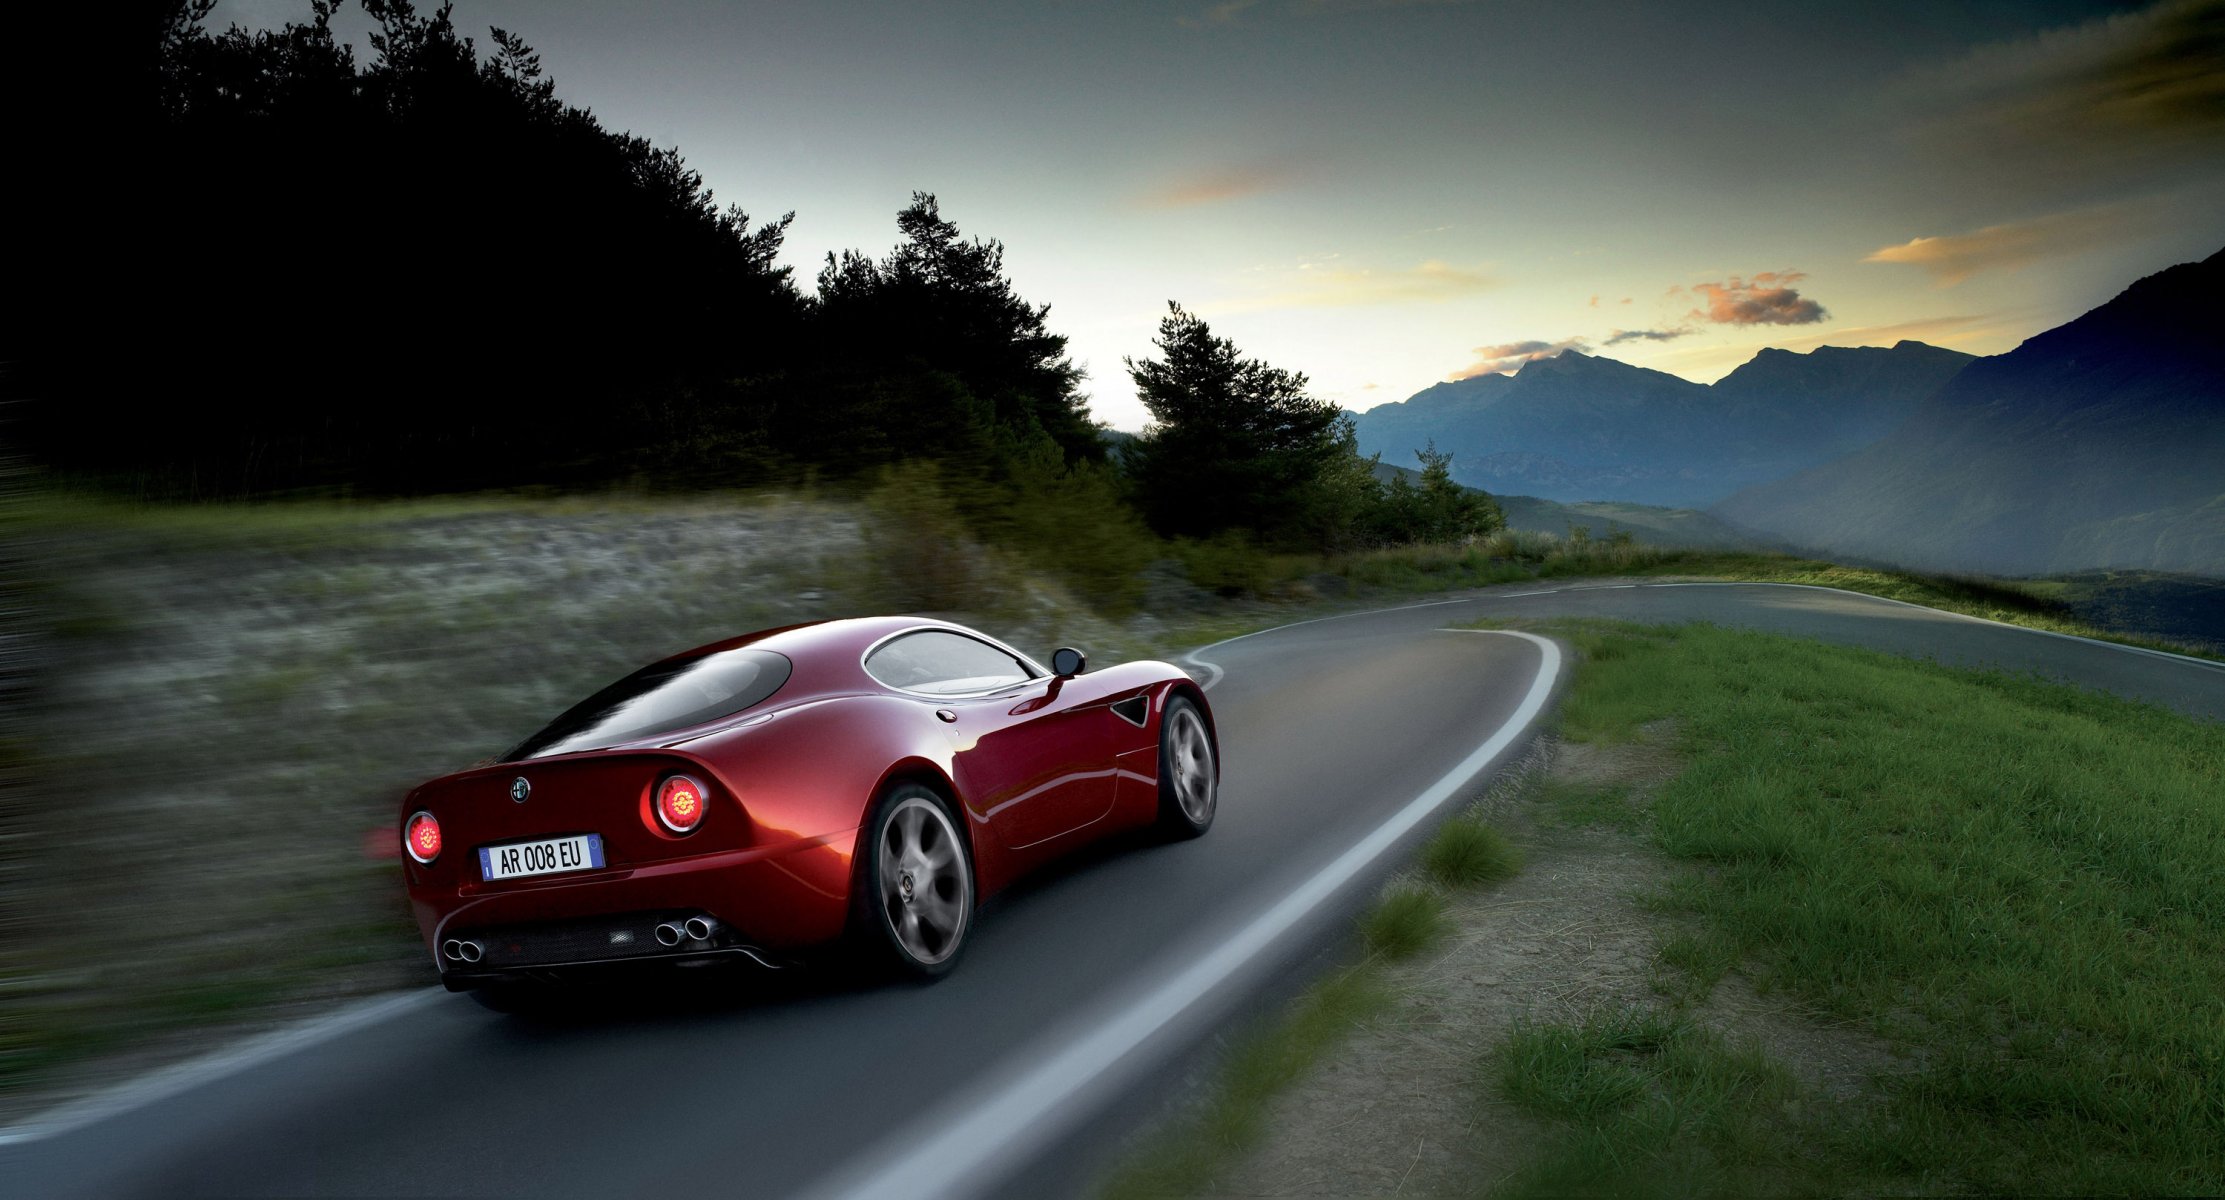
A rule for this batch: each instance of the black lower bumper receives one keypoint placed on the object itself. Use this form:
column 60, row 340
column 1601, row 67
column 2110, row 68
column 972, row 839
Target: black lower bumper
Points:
column 588, row 944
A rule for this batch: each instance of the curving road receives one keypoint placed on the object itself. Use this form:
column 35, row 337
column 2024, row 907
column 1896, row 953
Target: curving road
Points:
column 1083, row 995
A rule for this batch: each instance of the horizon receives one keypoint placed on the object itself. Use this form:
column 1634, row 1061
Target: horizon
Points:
column 1384, row 196
column 1594, row 355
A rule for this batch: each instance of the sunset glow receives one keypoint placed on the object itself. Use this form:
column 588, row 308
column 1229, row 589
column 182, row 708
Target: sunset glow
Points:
column 1374, row 194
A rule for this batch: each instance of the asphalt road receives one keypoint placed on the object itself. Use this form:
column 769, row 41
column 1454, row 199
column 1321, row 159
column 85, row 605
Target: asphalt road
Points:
column 1084, row 991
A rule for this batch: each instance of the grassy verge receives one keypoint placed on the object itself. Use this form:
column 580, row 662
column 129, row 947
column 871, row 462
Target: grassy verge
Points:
column 2011, row 882
column 1653, row 1105
column 1408, row 920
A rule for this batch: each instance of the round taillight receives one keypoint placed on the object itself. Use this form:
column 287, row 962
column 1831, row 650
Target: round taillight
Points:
column 421, row 837
column 680, row 803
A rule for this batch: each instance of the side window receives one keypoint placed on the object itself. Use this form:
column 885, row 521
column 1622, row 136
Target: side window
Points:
column 944, row 663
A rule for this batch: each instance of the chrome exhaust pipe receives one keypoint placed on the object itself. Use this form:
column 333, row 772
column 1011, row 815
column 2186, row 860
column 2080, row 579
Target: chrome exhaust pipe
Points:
column 452, row 950
column 699, row 928
column 472, row 952
column 669, row 934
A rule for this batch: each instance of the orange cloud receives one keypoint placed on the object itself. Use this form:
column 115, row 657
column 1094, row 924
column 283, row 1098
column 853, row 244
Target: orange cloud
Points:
column 1766, row 299
column 1510, row 356
column 1317, row 285
column 1955, row 257
column 1218, row 184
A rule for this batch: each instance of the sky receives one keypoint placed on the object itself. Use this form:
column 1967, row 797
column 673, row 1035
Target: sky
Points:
column 1386, row 194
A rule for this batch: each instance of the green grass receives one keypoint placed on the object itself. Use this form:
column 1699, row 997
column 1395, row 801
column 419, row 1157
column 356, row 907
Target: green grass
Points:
column 2014, row 882
column 1646, row 1103
column 1405, row 922
column 1467, row 853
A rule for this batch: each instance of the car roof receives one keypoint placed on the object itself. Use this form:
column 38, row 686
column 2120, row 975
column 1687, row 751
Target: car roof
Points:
column 827, row 654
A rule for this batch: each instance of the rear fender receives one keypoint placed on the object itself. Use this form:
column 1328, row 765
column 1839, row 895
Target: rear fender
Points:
column 990, row 866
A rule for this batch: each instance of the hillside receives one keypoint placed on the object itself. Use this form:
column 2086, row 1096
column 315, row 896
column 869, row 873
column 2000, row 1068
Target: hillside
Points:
column 1581, row 427
column 2098, row 444
column 1603, row 519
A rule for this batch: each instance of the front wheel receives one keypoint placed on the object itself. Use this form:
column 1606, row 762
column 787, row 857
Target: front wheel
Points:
column 1189, row 773
column 913, row 903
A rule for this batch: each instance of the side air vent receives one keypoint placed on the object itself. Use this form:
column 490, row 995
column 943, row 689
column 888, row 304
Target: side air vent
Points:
column 1133, row 710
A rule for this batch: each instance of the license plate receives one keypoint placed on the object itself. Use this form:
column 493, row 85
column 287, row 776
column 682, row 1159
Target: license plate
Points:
column 545, row 856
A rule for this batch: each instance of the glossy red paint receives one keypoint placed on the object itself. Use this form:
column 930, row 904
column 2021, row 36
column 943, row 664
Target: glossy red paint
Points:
column 1038, row 770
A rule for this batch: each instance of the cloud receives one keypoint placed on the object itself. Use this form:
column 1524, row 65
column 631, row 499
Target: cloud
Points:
column 1321, row 285
column 1217, row 184
column 1619, row 336
column 1224, row 13
column 1510, row 356
column 1766, row 299
column 2132, row 88
column 1227, row 12
column 1939, row 331
column 1953, row 258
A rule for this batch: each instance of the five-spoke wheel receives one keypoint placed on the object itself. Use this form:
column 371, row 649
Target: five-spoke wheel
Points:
column 1189, row 778
column 918, row 882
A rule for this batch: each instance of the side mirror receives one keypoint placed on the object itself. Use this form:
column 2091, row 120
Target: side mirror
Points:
column 1066, row 661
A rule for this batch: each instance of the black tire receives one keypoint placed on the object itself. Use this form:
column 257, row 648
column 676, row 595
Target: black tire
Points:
column 1189, row 771
column 912, row 903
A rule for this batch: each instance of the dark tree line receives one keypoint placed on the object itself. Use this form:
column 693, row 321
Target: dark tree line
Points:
column 426, row 272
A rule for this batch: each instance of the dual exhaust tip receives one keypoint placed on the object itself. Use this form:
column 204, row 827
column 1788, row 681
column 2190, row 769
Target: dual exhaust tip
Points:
column 695, row 929
column 670, row 933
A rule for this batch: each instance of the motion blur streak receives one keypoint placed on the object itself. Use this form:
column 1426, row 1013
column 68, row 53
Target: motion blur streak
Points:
column 971, row 1154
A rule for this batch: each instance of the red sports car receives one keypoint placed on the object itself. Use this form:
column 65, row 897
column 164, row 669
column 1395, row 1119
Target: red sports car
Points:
column 869, row 779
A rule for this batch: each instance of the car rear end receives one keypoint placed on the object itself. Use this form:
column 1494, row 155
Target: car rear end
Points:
column 560, row 865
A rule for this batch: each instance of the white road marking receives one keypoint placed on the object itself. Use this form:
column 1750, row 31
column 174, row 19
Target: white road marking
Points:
column 965, row 1153
column 186, row 1076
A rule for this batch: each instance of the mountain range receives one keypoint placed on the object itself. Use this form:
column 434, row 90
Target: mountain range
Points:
column 1580, row 427
column 2097, row 444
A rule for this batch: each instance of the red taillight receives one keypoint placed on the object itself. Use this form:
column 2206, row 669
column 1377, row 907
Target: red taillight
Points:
column 421, row 837
column 680, row 803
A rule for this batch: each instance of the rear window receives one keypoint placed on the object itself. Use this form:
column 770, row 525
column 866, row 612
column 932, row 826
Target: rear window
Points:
column 660, row 699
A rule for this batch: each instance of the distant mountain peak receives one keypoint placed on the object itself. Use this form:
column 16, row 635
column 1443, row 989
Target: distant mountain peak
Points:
column 1575, row 361
column 2092, row 444
column 1580, row 425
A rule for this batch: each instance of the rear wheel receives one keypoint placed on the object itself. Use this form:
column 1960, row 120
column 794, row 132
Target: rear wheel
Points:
column 914, row 898
column 1189, row 772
